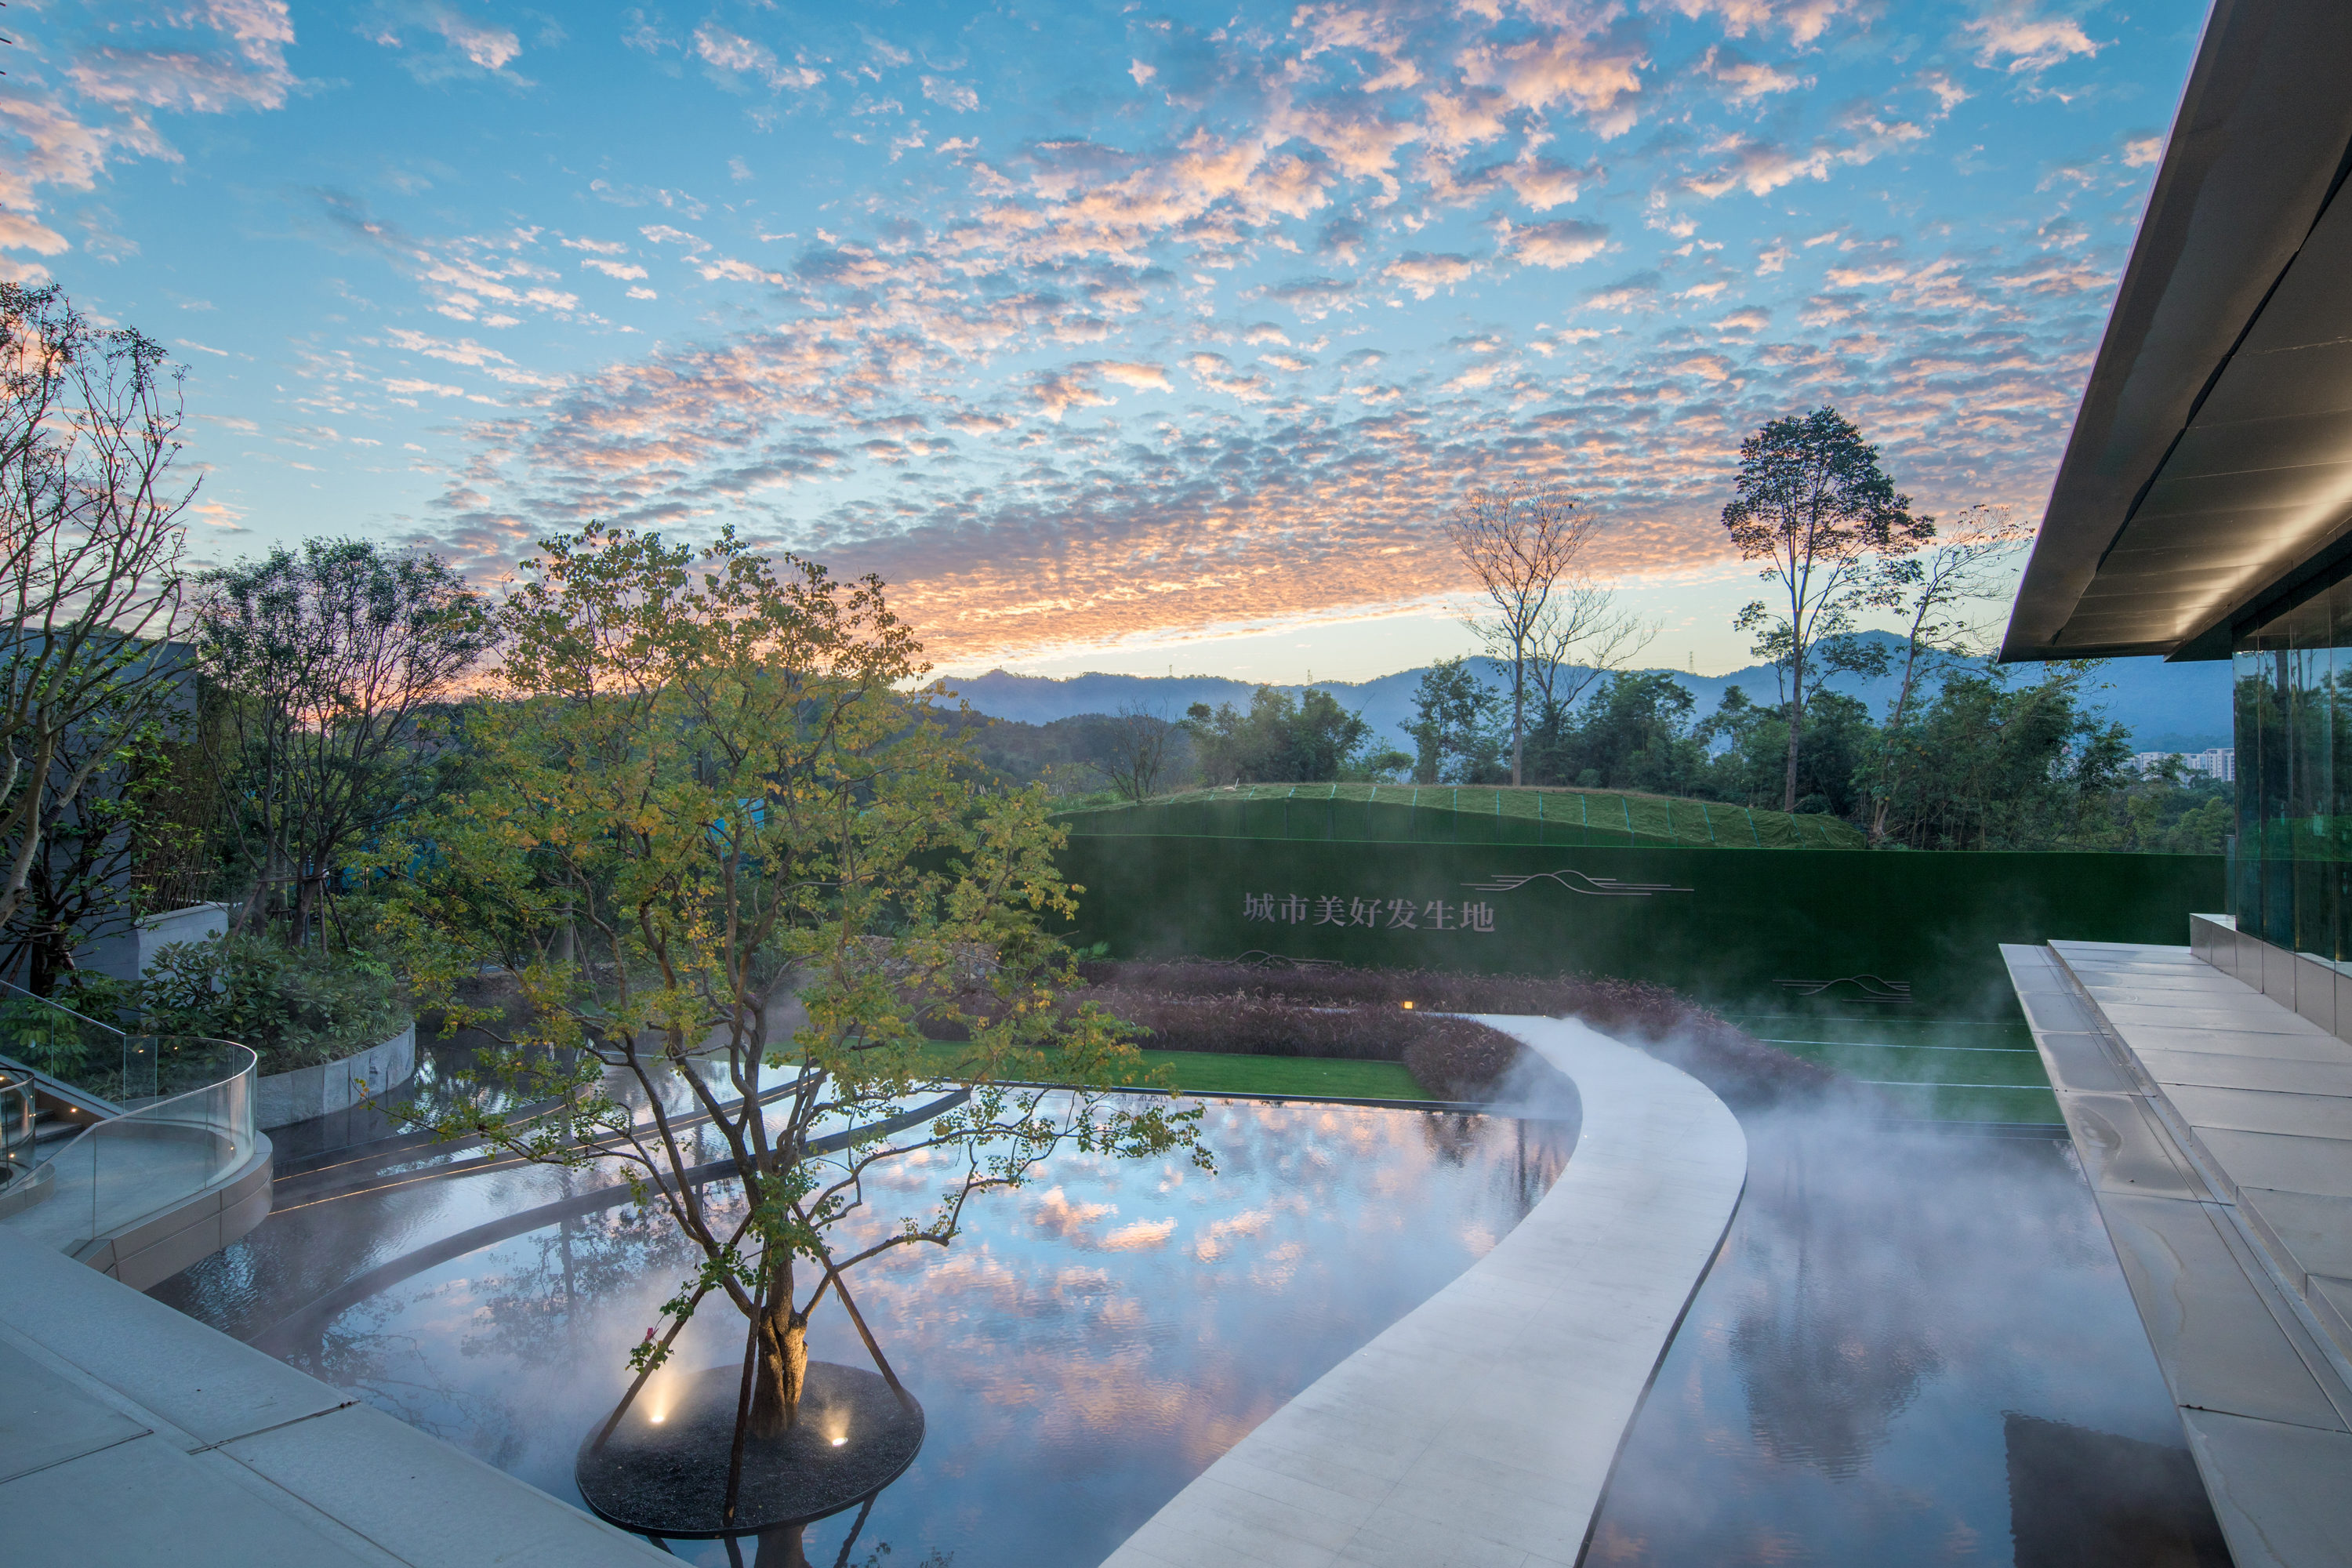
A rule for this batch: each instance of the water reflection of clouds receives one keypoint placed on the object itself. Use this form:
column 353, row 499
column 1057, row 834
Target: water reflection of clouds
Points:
column 1837, row 1394
column 1080, row 1355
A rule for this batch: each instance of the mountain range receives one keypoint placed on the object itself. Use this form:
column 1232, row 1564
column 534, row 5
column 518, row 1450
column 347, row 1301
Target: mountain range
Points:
column 2167, row 707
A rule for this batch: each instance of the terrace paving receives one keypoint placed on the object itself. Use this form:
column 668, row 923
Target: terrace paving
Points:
column 131, row 1434
column 2215, row 1127
column 1481, row 1428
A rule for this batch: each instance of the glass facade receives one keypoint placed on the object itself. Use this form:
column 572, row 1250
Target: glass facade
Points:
column 2290, row 873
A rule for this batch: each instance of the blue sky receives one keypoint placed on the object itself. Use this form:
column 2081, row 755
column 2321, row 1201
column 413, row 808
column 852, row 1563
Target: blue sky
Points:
column 1112, row 337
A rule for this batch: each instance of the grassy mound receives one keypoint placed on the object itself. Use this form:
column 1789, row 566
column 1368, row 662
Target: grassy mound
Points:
column 1421, row 814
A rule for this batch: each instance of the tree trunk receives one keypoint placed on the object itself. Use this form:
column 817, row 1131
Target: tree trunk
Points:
column 782, row 1370
column 1518, row 713
column 1796, row 720
column 1889, row 737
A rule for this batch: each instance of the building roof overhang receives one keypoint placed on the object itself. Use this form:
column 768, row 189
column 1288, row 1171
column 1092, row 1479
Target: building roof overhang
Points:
column 2211, row 464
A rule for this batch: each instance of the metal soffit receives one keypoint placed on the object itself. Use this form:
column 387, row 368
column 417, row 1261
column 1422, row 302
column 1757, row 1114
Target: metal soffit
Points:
column 2211, row 456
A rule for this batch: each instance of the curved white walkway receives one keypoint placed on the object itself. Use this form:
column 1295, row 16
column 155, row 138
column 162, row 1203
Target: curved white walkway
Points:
column 1478, row 1431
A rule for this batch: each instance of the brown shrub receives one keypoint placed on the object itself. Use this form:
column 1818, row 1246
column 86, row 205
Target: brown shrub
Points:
column 1735, row 1065
column 1467, row 1062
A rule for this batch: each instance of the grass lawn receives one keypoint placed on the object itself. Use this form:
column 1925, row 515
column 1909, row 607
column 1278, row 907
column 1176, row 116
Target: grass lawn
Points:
column 1216, row 1072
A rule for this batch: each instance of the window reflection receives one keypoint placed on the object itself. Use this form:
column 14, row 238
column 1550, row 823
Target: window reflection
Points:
column 2290, row 877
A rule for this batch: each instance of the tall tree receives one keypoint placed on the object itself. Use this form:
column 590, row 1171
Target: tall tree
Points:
column 692, row 787
column 1813, row 505
column 1937, row 587
column 1581, row 636
column 1518, row 542
column 89, row 560
column 330, row 652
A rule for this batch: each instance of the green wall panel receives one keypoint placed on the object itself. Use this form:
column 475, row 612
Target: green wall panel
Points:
column 1920, row 932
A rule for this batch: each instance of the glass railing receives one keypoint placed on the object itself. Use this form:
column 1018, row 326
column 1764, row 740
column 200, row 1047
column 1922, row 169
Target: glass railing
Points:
column 157, row 1155
column 112, row 1063
column 15, row 1127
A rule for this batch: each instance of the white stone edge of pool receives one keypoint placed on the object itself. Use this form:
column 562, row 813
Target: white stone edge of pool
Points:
column 1480, row 1429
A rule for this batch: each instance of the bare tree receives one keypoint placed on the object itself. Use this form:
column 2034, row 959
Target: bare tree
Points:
column 1582, row 635
column 1518, row 541
column 328, row 655
column 1936, row 589
column 90, row 559
column 1131, row 749
column 1813, row 505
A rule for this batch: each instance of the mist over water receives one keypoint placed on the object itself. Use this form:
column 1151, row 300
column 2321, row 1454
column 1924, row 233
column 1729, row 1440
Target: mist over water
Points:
column 1888, row 1309
column 1914, row 1346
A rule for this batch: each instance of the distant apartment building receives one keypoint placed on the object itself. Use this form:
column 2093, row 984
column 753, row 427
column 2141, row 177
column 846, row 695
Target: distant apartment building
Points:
column 2221, row 762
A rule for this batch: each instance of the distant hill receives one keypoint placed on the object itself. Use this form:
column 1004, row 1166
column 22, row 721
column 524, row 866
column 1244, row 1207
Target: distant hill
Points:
column 2168, row 707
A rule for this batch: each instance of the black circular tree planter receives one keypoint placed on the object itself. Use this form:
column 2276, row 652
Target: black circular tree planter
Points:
column 662, row 1468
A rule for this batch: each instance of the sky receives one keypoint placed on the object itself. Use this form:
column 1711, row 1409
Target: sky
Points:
column 1130, row 338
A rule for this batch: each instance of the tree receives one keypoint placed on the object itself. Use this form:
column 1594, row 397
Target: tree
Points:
column 82, row 886
column 694, row 790
column 1992, row 766
column 1519, row 543
column 1312, row 740
column 89, row 560
column 1131, row 749
column 1748, row 746
column 1636, row 735
column 1811, row 502
column 1935, row 589
column 331, row 654
column 1581, row 638
column 1453, row 726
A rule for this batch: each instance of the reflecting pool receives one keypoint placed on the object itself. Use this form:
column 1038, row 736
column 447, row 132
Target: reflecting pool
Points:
column 1914, row 1347
column 1091, row 1343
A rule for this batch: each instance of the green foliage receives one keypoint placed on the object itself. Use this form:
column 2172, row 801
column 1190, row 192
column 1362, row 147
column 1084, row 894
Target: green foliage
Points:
column 294, row 1007
column 1812, row 506
column 31, row 1031
column 1311, row 740
column 331, row 656
column 1989, row 765
column 690, row 792
column 1751, row 745
column 73, row 892
column 1976, row 762
column 2168, row 815
column 1455, row 733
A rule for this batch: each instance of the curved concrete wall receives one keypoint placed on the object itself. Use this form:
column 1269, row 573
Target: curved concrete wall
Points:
column 289, row 1097
column 1481, row 1428
column 157, row 1247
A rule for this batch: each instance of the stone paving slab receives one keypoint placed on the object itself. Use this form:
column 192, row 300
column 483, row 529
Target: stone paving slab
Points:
column 2217, row 1137
column 1479, row 1430
column 132, row 1434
